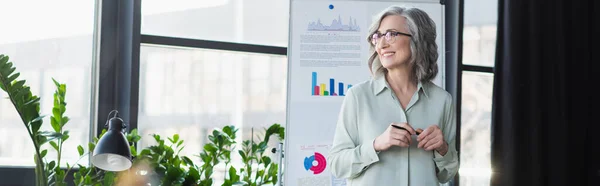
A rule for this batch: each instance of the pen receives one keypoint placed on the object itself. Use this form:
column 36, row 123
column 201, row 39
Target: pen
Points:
column 399, row 127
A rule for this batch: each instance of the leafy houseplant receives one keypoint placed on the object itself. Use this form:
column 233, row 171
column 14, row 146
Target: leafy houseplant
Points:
column 167, row 165
column 252, row 152
column 221, row 144
column 58, row 121
column 27, row 106
column 172, row 169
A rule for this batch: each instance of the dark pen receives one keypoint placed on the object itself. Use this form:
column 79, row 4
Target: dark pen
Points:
column 399, row 127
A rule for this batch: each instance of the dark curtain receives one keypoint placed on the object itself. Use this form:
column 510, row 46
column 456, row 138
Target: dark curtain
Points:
column 545, row 121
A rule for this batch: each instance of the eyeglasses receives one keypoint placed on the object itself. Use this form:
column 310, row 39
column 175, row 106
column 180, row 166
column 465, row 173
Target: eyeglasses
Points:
column 390, row 37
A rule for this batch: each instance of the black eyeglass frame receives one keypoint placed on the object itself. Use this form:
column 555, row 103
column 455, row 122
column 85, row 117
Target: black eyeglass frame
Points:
column 393, row 34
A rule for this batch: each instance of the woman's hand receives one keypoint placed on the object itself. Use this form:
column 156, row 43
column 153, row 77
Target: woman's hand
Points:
column 432, row 138
column 394, row 136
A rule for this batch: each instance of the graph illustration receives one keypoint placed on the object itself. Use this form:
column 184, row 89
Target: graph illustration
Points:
column 336, row 25
column 319, row 167
column 323, row 90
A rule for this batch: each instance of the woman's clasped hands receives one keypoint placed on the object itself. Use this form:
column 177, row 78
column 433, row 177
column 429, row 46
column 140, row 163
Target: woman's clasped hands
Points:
column 400, row 134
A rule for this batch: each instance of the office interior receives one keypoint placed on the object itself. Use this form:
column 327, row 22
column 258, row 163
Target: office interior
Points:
column 521, row 72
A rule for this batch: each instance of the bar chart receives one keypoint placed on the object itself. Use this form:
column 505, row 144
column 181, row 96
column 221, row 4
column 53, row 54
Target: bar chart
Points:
column 329, row 88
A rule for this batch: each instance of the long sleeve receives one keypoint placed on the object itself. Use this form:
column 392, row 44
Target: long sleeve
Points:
column 448, row 164
column 349, row 157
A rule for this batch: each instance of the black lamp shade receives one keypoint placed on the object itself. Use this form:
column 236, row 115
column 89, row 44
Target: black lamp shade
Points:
column 112, row 151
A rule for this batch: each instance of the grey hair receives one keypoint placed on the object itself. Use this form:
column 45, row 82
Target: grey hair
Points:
column 424, row 50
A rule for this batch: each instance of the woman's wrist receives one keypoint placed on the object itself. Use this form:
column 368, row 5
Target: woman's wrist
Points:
column 375, row 145
column 443, row 149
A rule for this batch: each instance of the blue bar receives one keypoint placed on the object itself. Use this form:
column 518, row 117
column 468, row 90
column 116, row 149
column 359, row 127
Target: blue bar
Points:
column 331, row 86
column 341, row 89
column 314, row 83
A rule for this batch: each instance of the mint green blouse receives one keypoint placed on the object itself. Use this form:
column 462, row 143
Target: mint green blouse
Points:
column 367, row 110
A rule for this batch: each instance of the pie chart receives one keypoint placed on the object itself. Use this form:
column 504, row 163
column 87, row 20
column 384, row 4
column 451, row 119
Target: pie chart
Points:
column 315, row 163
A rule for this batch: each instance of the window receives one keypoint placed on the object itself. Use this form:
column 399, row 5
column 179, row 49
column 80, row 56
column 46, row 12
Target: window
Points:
column 479, row 45
column 476, row 113
column 53, row 39
column 263, row 22
column 190, row 92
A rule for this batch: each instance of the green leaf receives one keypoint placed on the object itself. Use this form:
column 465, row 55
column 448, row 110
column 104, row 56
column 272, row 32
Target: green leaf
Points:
column 232, row 173
column 133, row 150
column 10, row 70
column 56, row 113
column 145, row 152
column 175, row 138
column 41, row 139
column 156, row 137
column 135, row 139
column 205, row 157
column 62, row 89
column 194, row 174
column 55, row 124
column 228, row 130
column 18, row 84
column 64, row 120
column 187, row 161
column 176, row 162
column 109, row 178
column 266, row 160
column 54, row 145
column 179, row 143
column 243, row 155
column 281, row 133
column 43, row 153
column 134, row 132
column 3, row 59
column 174, row 173
column 65, row 135
column 51, row 165
column 210, row 147
column 91, row 147
column 260, row 173
column 262, row 146
column 88, row 180
column 23, row 92
column 13, row 77
column 56, row 82
column 35, row 126
column 227, row 154
column 80, row 150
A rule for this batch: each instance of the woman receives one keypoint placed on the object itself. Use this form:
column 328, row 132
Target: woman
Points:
column 376, row 140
